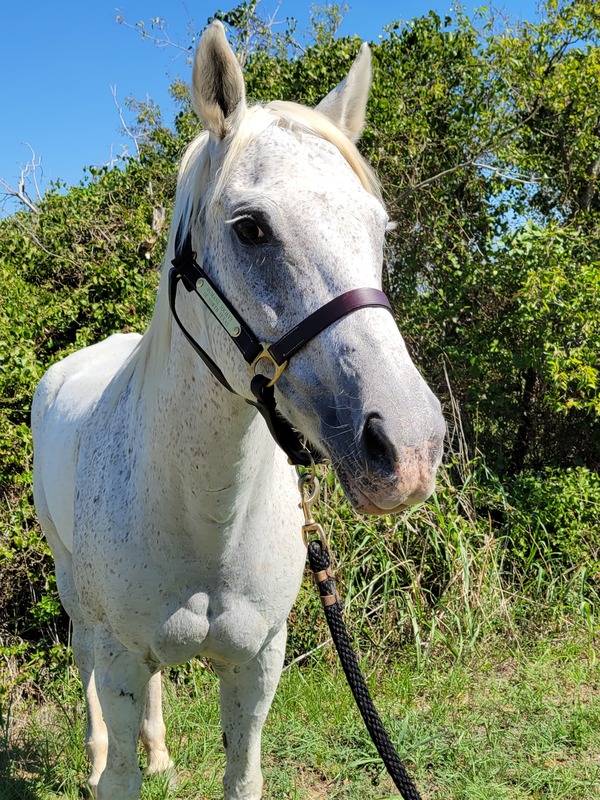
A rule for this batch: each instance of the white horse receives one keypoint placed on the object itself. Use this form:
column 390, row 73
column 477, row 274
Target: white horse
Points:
column 171, row 512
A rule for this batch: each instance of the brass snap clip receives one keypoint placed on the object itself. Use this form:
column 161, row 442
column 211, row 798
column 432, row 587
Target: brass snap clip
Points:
column 308, row 486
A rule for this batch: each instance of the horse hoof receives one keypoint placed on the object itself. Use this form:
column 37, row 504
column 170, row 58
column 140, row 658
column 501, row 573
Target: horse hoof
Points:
column 90, row 788
column 163, row 769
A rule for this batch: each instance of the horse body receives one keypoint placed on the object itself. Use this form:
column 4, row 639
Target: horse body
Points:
column 171, row 513
column 178, row 548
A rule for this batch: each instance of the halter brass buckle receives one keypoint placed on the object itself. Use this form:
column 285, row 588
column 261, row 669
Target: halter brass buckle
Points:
column 266, row 353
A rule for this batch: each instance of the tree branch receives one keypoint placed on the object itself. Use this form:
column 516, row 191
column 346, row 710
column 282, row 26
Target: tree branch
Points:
column 161, row 41
column 126, row 127
column 28, row 173
column 471, row 163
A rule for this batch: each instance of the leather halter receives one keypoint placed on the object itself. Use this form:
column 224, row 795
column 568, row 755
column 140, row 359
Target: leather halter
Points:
column 194, row 278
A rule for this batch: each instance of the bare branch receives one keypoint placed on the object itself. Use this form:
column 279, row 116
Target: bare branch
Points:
column 433, row 179
column 126, row 127
column 465, row 165
column 29, row 174
column 31, row 170
column 161, row 40
column 509, row 176
column 116, row 159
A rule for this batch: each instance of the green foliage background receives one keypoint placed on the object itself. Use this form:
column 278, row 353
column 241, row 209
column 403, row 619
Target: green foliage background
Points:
column 486, row 137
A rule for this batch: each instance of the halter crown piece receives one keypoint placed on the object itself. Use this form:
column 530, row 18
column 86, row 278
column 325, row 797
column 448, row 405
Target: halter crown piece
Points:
column 194, row 278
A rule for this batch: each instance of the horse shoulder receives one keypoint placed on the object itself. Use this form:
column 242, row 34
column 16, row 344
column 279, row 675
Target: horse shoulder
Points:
column 62, row 408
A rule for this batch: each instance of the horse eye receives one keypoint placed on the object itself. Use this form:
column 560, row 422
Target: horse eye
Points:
column 248, row 231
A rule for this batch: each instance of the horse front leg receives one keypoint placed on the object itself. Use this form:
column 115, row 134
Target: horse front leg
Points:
column 153, row 732
column 121, row 680
column 246, row 695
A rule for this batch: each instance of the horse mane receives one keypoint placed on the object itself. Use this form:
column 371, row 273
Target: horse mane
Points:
column 197, row 193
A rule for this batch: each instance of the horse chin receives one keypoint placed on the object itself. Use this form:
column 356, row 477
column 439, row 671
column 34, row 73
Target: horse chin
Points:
column 364, row 503
column 367, row 507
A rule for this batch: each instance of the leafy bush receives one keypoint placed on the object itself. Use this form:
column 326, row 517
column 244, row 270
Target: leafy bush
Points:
column 554, row 521
column 486, row 141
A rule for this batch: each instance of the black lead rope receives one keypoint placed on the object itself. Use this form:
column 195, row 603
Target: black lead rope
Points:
column 320, row 562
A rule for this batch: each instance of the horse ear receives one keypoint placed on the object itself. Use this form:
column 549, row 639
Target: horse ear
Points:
column 346, row 105
column 218, row 89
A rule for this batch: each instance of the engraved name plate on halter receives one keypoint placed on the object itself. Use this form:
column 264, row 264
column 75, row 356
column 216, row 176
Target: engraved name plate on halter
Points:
column 218, row 307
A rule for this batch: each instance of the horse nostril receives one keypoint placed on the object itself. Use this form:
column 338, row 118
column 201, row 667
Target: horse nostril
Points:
column 379, row 450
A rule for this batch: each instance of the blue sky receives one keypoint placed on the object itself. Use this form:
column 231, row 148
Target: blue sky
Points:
column 60, row 61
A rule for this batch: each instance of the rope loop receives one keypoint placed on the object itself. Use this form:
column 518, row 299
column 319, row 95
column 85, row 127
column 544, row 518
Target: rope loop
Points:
column 319, row 559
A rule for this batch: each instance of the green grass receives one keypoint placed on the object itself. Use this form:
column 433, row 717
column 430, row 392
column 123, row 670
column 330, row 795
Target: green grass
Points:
column 499, row 725
column 479, row 643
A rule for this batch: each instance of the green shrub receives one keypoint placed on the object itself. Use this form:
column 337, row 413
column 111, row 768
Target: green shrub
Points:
column 555, row 520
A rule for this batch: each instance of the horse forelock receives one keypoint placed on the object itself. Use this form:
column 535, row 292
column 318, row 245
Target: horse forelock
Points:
column 195, row 190
column 294, row 115
column 199, row 186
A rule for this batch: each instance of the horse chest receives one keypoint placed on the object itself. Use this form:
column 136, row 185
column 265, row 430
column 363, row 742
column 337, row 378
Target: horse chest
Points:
column 198, row 606
column 229, row 630
column 228, row 616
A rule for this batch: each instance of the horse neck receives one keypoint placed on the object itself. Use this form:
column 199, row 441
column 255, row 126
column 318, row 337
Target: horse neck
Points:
column 205, row 444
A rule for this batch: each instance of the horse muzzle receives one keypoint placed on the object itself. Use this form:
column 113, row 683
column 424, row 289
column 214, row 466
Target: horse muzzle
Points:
column 381, row 474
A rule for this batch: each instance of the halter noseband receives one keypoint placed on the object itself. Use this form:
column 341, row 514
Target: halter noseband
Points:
column 194, row 278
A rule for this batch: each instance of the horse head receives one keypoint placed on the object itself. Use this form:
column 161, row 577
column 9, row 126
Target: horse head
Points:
column 284, row 215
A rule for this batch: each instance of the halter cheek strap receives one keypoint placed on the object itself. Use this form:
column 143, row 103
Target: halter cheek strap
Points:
column 194, row 278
